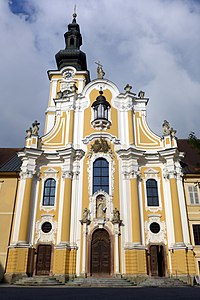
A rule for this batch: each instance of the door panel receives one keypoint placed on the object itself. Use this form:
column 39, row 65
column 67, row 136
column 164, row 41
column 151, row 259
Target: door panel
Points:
column 154, row 260
column 43, row 260
column 100, row 252
column 157, row 260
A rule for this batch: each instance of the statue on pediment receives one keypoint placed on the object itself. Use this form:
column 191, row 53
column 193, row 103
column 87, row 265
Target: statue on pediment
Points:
column 100, row 71
column 35, row 127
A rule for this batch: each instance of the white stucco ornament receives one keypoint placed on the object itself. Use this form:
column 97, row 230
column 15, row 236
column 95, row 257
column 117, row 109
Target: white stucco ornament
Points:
column 160, row 236
column 41, row 236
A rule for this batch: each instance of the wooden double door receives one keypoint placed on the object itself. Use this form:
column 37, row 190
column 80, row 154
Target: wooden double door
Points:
column 43, row 263
column 100, row 253
column 157, row 260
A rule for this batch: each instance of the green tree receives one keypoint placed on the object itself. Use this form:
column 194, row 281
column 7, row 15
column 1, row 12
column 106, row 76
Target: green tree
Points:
column 194, row 141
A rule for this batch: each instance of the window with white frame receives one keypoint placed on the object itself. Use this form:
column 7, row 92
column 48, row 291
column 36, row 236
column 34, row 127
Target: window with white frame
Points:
column 193, row 194
column 49, row 192
column 152, row 192
column 101, row 175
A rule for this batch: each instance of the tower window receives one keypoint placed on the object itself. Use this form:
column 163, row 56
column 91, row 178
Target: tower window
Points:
column 49, row 192
column 152, row 192
column 101, row 175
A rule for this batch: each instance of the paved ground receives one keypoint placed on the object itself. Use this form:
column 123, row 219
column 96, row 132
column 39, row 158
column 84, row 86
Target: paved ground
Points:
column 60, row 293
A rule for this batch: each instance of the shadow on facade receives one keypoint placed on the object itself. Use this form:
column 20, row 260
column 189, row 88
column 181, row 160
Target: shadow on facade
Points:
column 1, row 272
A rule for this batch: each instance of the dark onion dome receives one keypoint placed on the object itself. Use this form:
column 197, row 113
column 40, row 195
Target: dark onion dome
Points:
column 101, row 100
column 72, row 55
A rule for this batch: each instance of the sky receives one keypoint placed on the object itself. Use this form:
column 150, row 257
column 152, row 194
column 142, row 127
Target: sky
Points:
column 153, row 45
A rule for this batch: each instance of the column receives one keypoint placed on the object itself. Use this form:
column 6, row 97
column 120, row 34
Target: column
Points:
column 85, row 222
column 116, row 233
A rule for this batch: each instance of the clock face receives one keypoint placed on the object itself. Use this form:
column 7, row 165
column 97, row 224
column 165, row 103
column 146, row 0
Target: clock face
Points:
column 68, row 74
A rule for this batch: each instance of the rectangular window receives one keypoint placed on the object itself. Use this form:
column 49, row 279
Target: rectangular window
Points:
column 152, row 192
column 196, row 232
column 193, row 194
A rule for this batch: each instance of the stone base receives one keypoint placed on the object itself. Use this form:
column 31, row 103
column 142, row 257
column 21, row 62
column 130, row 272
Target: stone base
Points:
column 83, row 275
column 18, row 260
column 13, row 277
column 183, row 263
column 118, row 275
column 135, row 260
column 64, row 263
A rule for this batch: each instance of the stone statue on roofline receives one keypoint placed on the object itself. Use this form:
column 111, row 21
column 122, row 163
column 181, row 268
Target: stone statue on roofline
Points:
column 35, row 127
column 166, row 127
column 33, row 130
column 100, row 71
column 28, row 132
column 128, row 88
column 167, row 130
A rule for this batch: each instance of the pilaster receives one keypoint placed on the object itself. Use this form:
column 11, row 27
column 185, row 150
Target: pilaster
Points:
column 20, row 250
column 136, row 230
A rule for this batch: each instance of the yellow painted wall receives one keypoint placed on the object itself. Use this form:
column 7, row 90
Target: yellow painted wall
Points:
column 135, row 262
column 8, row 187
column 183, row 262
column 144, row 136
column 193, row 213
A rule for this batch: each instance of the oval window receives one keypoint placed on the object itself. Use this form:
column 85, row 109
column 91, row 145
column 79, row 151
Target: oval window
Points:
column 46, row 227
column 155, row 227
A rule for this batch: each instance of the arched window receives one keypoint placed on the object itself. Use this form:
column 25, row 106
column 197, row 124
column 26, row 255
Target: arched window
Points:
column 152, row 192
column 49, row 192
column 101, row 175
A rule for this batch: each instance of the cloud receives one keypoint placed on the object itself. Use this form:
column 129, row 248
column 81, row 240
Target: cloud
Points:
column 153, row 45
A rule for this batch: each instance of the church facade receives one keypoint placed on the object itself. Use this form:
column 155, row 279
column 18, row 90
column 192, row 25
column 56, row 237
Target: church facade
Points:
column 99, row 193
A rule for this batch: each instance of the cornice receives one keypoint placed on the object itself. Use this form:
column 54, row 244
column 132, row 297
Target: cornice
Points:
column 30, row 153
column 97, row 135
column 130, row 153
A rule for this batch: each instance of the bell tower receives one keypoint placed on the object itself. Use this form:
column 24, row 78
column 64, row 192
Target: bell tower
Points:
column 72, row 55
column 69, row 79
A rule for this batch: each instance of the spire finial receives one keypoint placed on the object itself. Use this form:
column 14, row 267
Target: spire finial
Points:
column 74, row 14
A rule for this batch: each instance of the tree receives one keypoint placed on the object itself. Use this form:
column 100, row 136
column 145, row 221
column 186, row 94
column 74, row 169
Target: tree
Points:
column 194, row 141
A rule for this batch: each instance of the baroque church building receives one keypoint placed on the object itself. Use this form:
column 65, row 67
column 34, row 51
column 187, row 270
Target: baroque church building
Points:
column 99, row 193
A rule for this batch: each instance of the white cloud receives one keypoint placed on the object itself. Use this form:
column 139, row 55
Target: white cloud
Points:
column 152, row 44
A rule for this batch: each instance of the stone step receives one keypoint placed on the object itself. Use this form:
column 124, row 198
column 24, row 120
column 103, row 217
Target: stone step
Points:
column 100, row 282
column 38, row 281
column 161, row 282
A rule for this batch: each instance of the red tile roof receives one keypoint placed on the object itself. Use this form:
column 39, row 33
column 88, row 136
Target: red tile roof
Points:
column 191, row 160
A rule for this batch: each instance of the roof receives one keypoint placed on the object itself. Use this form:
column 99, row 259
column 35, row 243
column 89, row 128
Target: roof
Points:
column 191, row 160
column 9, row 160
